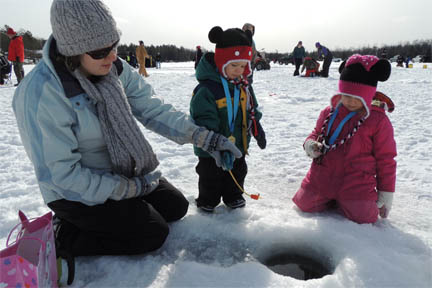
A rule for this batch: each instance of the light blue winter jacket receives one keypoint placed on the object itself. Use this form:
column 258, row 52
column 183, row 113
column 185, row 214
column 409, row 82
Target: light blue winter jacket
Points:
column 63, row 138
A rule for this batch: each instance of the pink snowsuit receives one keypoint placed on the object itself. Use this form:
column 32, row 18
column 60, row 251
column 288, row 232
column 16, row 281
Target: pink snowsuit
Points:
column 353, row 172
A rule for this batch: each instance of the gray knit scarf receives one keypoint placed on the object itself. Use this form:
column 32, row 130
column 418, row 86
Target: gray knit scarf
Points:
column 131, row 154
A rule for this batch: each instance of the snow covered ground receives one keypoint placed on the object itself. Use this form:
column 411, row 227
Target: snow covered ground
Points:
column 225, row 249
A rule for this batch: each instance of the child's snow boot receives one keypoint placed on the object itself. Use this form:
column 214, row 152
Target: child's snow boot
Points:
column 205, row 207
column 238, row 203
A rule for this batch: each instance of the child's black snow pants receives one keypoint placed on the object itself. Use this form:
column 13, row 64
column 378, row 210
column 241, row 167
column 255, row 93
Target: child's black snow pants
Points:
column 126, row 227
column 215, row 183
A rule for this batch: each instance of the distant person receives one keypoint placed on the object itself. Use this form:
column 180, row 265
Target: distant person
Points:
column 384, row 54
column 407, row 61
column 132, row 60
column 400, row 61
column 158, row 60
column 5, row 68
column 78, row 115
column 16, row 53
column 298, row 54
column 311, row 66
column 142, row 55
column 353, row 147
column 222, row 102
column 251, row 28
column 198, row 55
column 324, row 52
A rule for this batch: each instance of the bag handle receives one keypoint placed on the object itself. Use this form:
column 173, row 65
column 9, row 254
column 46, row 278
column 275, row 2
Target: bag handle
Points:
column 18, row 236
column 24, row 222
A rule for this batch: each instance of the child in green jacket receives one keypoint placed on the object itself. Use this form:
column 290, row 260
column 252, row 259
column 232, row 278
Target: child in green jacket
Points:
column 224, row 103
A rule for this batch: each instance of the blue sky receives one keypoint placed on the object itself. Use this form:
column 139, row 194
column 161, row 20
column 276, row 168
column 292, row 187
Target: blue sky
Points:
column 279, row 24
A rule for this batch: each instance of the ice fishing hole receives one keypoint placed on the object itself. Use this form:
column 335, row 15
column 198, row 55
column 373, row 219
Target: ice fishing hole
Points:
column 297, row 265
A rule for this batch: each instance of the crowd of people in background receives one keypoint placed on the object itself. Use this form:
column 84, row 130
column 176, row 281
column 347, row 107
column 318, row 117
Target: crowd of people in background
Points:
column 140, row 58
column 301, row 59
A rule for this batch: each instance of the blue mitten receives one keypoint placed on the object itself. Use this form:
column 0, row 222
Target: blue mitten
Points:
column 227, row 160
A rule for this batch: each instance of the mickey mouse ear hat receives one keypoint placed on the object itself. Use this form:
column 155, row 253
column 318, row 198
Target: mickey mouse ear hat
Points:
column 359, row 76
column 232, row 45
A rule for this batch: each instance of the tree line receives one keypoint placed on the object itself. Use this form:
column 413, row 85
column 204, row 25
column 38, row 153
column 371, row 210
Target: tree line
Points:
column 181, row 54
column 169, row 53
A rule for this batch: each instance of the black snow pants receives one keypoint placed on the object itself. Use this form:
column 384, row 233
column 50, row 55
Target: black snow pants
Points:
column 326, row 65
column 298, row 62
column 126, row 227
column 215, row 183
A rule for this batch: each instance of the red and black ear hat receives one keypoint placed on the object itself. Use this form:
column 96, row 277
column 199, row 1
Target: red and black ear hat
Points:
column 232, row 45
column 359, row 76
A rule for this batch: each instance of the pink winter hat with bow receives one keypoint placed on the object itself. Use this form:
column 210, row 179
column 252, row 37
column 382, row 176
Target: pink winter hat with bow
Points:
column 360, row 75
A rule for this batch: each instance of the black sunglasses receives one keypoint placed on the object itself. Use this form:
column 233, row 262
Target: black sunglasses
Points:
column 102, row 53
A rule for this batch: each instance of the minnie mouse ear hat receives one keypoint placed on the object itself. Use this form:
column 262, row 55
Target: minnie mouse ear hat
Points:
column 359, row 76
column 232, row 45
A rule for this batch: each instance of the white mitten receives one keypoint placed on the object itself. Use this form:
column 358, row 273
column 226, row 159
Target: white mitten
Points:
column 313, row 148
column 384, row 203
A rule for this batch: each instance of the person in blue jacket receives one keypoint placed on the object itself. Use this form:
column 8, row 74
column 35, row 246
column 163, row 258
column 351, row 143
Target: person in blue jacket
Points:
column 324, row 52
column 299, row 54
column 76, row 113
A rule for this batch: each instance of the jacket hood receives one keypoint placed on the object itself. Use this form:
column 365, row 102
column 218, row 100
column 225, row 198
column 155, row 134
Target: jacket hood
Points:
column 380, row 102
column 206, row 69
column 46, row 56
column 336, row 99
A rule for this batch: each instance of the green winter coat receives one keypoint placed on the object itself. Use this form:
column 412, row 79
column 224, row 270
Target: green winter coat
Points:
column 210, row 110
column 299, row 52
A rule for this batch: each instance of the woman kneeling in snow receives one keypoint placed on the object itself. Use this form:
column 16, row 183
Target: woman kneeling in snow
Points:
column 76, row 113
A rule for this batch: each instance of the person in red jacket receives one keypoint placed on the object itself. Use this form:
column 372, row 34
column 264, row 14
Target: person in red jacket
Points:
column 311, row 66
column 16, row 53
column 353, row 147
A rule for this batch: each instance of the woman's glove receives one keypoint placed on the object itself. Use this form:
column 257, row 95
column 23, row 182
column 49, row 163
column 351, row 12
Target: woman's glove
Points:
column 260, row 137
column 384, row 203
column 127, row 189
column 313, row 148
column 214, row 143
column 136, row 186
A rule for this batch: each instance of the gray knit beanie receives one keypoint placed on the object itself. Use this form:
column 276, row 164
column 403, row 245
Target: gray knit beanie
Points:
column 81, row 26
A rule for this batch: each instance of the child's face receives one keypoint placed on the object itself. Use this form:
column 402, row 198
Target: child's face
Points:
column 234, row 70
column 351, row 103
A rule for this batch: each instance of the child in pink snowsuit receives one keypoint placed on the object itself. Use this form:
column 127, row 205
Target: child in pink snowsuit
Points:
column 353, row 147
